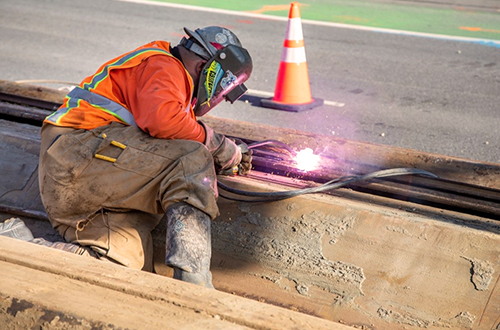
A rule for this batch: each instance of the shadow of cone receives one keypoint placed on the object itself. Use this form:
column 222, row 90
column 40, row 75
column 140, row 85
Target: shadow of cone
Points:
column 292, row 91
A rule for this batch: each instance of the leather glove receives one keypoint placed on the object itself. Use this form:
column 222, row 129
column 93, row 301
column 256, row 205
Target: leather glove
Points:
column 246, row 157
column 225, row 152
column 245, row 165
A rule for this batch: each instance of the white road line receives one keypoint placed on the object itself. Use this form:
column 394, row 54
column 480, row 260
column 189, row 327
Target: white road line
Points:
column 334, row 104
column 486, row 42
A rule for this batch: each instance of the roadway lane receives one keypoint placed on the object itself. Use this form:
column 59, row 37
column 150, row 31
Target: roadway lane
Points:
column 449, row 17
column 427, row 94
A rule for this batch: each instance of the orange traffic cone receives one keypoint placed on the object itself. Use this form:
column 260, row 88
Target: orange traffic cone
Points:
column 292, row 91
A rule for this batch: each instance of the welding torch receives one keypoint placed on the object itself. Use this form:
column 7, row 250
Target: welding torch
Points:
column 244, row 148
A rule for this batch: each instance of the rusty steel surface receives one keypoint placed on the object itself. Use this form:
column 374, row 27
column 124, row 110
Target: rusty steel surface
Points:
column 358, row 157
column 442, row 193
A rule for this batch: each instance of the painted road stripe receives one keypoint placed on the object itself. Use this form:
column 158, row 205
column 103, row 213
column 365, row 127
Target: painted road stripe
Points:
column 485, row 42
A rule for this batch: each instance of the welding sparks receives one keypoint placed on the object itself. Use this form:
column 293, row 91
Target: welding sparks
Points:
column 306, row 160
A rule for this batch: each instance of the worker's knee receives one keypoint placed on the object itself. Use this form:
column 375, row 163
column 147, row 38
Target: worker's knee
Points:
column 121, row 237
column 190, row 158
column 193, row 181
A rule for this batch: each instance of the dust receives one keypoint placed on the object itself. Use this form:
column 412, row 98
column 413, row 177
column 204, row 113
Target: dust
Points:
column 402, row 318
column 18, row 314
column 302, row 289
column 292, row 246
column 244, row 207
column 292, row 206
column 482, row 273
column 461, row 320
column 405, row 231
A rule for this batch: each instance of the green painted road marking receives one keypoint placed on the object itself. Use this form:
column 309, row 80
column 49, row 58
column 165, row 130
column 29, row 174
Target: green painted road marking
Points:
column 453, row 22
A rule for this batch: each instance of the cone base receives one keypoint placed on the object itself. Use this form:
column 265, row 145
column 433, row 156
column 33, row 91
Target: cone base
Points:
column 269, row 103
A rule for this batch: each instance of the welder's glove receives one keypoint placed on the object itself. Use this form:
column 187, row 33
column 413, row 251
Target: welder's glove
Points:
column 246, row 157
column 226, row 154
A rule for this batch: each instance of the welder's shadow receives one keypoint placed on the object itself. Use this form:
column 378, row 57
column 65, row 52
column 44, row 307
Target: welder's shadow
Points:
column 253, row 100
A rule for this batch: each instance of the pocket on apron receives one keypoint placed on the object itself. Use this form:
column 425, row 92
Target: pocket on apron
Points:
column 142, row 162
column 66, row 159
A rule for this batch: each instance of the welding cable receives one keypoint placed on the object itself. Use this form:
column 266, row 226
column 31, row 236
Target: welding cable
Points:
column 271, row 142
column 330, row 185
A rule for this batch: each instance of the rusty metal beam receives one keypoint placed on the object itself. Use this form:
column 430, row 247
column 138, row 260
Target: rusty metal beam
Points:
column 440, row 193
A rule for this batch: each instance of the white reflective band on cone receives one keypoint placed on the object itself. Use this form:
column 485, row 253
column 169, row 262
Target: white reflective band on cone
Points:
column 293, row 55
column 294, row 29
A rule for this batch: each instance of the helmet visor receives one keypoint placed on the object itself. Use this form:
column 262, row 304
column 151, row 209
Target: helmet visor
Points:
column 222, row 77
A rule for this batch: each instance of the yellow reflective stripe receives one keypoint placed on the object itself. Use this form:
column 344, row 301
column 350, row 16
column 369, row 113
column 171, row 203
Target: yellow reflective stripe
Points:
column 104, row 73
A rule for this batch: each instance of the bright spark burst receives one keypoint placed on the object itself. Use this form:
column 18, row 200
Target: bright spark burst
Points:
column 306, row 160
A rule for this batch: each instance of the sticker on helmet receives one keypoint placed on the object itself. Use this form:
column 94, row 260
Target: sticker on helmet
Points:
column 229, row 36
column 227, row 81
column 221, row 38
column 214, row 73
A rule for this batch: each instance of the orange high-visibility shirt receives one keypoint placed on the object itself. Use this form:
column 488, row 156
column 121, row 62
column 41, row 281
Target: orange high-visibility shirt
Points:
column 153, row 86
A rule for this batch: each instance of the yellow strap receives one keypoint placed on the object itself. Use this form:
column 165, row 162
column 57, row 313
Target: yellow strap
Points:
column 109, row 159
column 118, row 144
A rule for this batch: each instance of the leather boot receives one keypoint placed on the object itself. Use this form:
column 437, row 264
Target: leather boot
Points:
column 188, row 244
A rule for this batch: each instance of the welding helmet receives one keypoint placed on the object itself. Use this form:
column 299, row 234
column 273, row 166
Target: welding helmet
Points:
column 228, row 66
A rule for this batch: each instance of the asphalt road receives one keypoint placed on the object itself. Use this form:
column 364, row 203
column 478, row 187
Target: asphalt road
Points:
column 431, row 94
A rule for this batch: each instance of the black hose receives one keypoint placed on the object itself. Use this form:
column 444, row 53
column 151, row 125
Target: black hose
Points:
column 271, row 142
column 330, row 185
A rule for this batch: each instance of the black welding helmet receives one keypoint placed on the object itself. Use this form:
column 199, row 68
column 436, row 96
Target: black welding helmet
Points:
column 228, row 66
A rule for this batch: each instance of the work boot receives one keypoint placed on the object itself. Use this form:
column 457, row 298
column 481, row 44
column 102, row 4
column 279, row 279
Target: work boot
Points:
column 15, row 228
column 188, row 244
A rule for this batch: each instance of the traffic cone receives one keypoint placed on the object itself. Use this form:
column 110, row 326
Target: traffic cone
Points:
column 292, row 91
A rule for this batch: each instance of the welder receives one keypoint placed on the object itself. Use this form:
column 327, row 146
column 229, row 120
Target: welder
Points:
column 126, row 150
